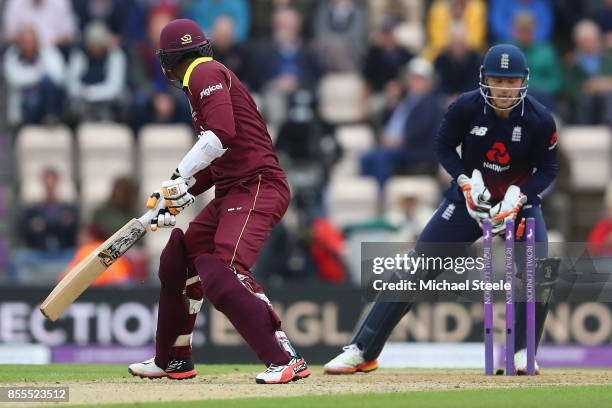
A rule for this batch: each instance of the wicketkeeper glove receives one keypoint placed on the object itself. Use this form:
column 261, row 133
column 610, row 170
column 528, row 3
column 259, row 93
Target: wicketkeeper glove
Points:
column 476, row 195
column 507, row 209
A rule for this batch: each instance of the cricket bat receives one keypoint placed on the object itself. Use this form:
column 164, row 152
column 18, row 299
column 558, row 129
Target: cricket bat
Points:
column 85, row 272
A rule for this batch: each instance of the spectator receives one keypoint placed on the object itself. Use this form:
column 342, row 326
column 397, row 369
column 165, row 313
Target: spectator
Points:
column 410, row 217
column 408, row 139
column 118, row 274
column 503, row 12
column 286, row 64
column 96, row 76
column 408, row 13
column 283, row 66
column 457, row 66
column 601, row 234
column 588, row 76
column 154, row 99
column 34, row 80
column 340, row 29
column 53, row 20
column 604, row 20
column 225, row 49
column 381, row 71
column 260, row 22
column 50, row 225
column 444, row 13
column 118, row 210
column 205, row 12
column 48, row 231
column 545, row 75
column 125, row 19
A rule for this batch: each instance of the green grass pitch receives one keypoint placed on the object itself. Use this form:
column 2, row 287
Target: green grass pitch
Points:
column 558, row 396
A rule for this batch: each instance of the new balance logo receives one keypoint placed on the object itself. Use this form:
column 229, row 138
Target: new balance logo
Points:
column 479, row 131
column 210, row 89
column 448, row 212
column 505, row 61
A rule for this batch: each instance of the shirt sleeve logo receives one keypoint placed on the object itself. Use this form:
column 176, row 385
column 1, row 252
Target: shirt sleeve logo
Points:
column 553, row 141
column 186, row 39
column 210, row 89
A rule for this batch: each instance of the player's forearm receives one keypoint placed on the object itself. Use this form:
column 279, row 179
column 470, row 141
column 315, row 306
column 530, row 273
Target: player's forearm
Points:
column 539, row 181
column 204, row 182
column 450, row 160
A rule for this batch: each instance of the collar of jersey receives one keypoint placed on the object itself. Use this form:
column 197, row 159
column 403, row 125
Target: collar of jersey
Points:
column 191, row 67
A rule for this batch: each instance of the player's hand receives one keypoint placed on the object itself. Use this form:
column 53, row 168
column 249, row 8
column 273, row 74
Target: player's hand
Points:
column 176, row 194
column 163, row 219
column 507, row 209
column 476, row 195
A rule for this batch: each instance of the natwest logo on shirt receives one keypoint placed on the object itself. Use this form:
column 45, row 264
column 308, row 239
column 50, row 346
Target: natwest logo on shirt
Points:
column 498, row 158
column 210, row 89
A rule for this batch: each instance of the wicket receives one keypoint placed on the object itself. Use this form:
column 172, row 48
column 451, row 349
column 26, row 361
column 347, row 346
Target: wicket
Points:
column 529, row 280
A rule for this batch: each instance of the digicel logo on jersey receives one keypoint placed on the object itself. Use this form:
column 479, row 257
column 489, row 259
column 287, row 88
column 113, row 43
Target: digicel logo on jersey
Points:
column 210, row 89
column 498, row 158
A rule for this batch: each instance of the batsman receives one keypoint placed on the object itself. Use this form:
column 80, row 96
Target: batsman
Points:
column 212, row 259
column 508, row 144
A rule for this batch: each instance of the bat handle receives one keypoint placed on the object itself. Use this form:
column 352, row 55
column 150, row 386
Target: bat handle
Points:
column 146, row 218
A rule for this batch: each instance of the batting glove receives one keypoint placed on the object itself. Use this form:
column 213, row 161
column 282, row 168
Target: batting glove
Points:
column 476, row 195
column 163, row 219
column 507, row 209
column 176, row 194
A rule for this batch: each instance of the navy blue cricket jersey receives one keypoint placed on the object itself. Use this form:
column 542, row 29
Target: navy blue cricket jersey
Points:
column 519, row 150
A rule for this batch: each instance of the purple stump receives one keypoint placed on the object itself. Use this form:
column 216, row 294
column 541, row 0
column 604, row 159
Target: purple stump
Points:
column 530, row 295
column 488, row 301
column 509, row 280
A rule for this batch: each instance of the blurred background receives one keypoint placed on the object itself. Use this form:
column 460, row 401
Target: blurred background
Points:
column 352, row 91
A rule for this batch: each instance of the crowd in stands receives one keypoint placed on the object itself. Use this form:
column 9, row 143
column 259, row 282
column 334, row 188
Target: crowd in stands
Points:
column 74, row 61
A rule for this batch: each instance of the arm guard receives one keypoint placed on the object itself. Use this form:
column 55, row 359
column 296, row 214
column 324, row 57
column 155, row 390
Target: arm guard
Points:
column 207, row 148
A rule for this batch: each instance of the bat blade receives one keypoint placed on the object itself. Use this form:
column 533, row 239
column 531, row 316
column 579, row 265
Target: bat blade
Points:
column 79, row 278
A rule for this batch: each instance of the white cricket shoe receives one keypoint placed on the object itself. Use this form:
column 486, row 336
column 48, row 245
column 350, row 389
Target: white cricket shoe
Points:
column 178, row 369
column 350, row 361
column 295, row 370
column 520, row 363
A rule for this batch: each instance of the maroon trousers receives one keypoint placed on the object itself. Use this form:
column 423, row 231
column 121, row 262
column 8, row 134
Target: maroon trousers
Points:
column 221, row 245
column 235, row 227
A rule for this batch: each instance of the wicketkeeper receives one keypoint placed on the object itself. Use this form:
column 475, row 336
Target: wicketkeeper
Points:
column 508, row 159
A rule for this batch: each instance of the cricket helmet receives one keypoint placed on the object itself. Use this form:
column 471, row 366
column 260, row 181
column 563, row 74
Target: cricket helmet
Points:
column 179, row 39
column 505, row 61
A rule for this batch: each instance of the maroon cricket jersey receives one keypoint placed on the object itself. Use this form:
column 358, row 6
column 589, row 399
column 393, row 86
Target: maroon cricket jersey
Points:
column 220, row 103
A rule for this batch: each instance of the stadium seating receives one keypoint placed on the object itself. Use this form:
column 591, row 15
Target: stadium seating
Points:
column 40, row 147
column 354, row 140
column 426, row 188
column 106, row 152
column 352, row 199
column 340, row 97
column 588, row 149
